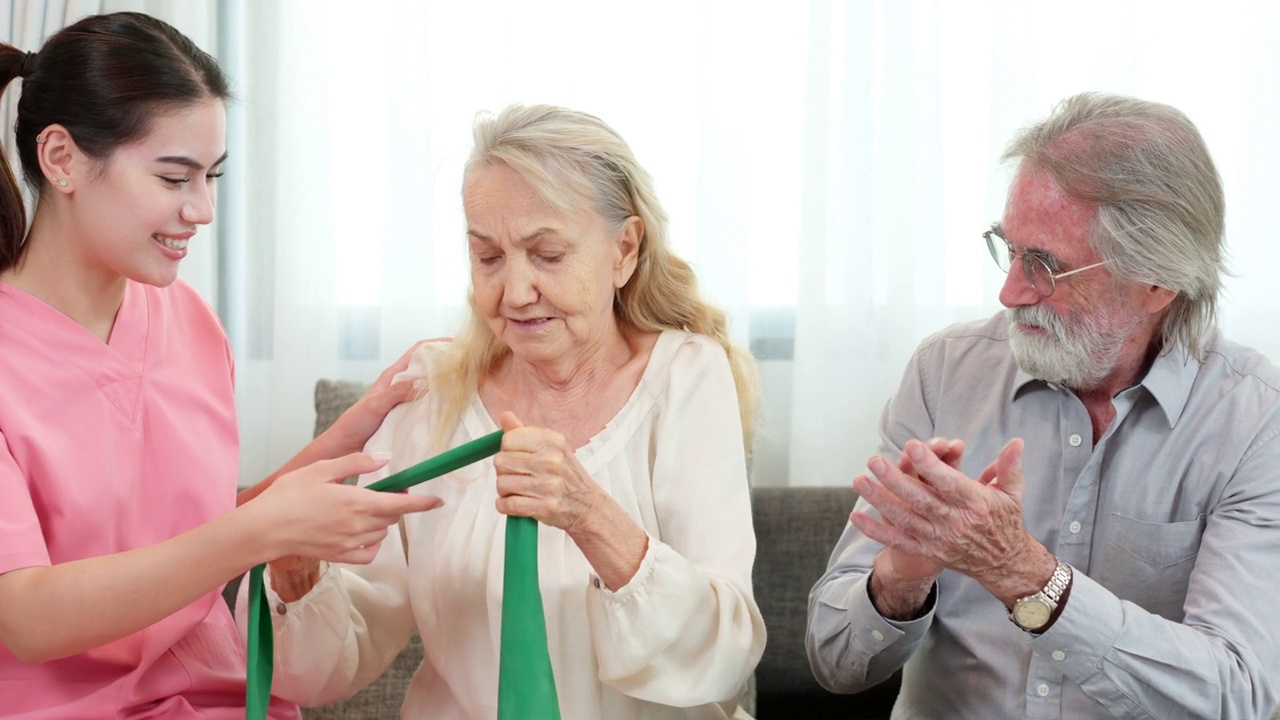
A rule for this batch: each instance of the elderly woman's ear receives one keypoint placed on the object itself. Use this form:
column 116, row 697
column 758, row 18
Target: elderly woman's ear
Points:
column 629, row 238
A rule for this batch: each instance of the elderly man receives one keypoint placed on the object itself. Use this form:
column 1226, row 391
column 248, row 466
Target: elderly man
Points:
column 1102, row 535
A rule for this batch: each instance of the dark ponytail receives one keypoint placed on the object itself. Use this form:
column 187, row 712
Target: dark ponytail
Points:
column 13, row 215
column 103, row 78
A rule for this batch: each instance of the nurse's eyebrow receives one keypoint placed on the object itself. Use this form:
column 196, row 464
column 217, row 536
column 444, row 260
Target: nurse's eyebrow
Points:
column 189, row 162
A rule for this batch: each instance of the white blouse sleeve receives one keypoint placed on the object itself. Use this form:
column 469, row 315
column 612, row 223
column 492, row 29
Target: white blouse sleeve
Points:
column 343, row 634
column 686, row 630
column 350, row 627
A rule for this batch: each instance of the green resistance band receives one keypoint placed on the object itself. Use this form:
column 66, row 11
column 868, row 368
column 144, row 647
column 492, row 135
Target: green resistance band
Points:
column 526, row 686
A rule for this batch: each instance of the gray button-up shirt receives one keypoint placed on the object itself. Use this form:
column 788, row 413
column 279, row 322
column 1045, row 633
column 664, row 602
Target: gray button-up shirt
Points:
column 1171, row 523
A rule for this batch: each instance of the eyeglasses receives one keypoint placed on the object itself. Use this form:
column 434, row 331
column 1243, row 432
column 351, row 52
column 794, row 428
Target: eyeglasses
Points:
column 1037, row 266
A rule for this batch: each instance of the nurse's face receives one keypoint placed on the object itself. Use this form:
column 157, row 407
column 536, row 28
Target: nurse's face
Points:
column 137, row 213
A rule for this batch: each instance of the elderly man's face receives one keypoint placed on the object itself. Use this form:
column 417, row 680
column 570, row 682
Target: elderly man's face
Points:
column 543, row 280
column 1079, row 335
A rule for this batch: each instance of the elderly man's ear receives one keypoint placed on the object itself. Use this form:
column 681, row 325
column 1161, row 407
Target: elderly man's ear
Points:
column 628, row 241
column 1155, row 299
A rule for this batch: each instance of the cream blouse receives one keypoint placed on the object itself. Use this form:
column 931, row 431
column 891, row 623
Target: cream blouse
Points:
column 678, row 641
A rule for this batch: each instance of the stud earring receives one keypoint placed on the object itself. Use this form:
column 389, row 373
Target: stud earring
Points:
column 62, row 182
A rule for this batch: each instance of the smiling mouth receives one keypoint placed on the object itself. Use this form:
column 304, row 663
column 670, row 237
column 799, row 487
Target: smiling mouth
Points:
column 171, row 243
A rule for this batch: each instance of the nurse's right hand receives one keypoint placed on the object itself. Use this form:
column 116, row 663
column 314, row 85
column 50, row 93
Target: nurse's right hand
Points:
column 311, row 514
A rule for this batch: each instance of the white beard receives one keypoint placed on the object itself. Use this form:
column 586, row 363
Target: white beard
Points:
column 1079, row 353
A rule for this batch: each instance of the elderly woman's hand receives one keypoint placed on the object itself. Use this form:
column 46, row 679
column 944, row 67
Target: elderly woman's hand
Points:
column 539, row 477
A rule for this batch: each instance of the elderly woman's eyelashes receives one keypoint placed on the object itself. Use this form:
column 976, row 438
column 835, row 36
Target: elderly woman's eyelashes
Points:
column 544, row 258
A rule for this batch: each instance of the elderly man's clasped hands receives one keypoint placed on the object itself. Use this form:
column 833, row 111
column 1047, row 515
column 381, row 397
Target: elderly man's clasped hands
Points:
column 934, row 517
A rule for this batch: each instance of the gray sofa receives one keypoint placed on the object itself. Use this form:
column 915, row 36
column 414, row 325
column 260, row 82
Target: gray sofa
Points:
column 796, row 527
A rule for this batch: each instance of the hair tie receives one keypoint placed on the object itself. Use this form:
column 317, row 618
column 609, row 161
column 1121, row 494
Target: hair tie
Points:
column 28, row 64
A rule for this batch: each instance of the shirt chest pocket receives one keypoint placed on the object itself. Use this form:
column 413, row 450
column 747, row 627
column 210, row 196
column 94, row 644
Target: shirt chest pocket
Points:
column 1150, row 563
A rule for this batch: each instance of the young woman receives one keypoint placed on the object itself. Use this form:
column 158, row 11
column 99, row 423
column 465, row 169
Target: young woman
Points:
column 119, row 522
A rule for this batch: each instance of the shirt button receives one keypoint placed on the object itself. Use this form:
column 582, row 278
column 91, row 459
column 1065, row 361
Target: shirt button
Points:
column 877, row 635
column 281, row 609
column 1074, row 527
column 1075, row 440
column 1059, row 655
column 1042, row 690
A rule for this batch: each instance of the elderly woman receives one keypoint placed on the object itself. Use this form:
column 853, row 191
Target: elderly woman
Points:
column 626, row 412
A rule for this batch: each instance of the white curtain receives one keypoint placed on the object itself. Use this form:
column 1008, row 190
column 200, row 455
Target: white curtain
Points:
column 911, row 104
column 828, row 167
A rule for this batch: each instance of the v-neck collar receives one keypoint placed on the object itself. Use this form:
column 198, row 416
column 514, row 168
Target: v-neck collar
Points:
column 115, row 366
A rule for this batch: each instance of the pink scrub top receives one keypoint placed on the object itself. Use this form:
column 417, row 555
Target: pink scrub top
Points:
column 110, row 447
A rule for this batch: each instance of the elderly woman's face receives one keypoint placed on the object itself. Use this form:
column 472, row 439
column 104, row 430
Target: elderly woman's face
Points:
column 544, row 280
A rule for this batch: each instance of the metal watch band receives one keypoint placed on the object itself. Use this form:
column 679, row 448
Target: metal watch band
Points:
column 1057, row 583
column 1049, row 597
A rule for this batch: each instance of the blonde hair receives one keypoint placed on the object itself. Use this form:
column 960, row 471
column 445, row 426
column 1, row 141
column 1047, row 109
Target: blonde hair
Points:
column 571, row 158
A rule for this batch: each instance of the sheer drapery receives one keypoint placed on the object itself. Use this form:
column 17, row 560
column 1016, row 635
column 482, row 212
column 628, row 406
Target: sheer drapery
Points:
column 828, row 167
column 910, row 107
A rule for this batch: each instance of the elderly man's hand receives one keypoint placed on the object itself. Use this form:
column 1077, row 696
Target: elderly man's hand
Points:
column 972, row 526
column 910, row 566
column 901, row 580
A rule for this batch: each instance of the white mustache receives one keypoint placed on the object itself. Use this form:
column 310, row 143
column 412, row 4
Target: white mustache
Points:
column 1041, row 317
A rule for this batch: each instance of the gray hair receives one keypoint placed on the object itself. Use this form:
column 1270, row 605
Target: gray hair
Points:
column 1160, row 209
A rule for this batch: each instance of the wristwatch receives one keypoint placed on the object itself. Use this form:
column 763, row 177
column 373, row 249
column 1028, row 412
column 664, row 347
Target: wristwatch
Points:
column 1032, row 613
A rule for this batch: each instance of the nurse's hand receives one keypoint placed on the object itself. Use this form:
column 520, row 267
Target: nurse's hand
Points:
column 354, row 427
column 310, row 513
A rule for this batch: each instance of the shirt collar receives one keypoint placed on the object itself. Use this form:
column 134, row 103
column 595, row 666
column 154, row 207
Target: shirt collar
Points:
column 1169, row 381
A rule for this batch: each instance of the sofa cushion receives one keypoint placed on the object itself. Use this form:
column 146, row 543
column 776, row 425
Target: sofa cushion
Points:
column 333, row 397
column 381, row 699
column 796, row 530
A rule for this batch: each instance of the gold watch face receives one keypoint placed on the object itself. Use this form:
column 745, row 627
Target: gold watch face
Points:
column 1031, row 613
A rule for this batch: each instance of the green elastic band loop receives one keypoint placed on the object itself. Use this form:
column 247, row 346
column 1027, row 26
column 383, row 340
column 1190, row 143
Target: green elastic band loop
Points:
column 258, row 686
column 261, row 640
column 444, row 463
column 526, row 685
